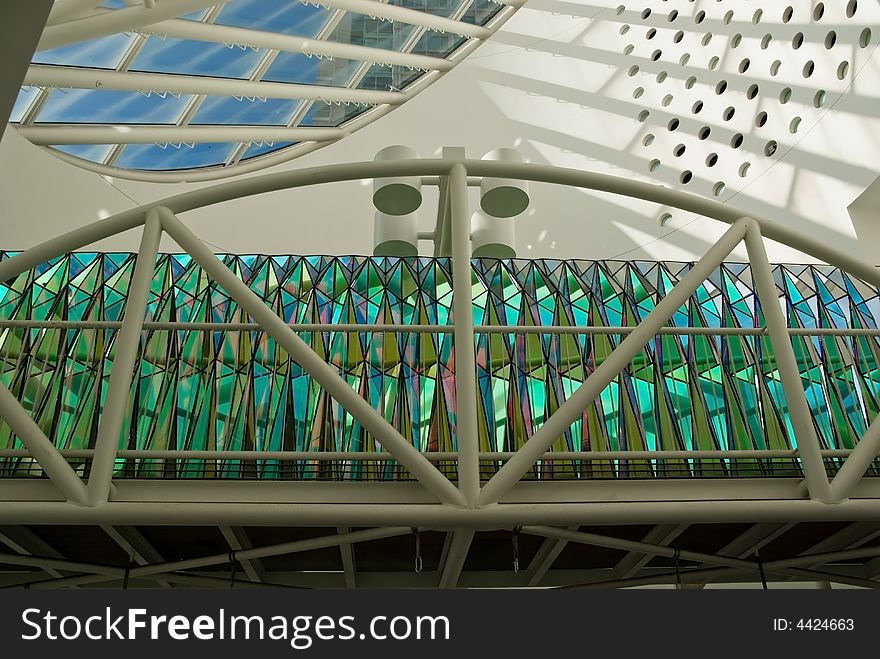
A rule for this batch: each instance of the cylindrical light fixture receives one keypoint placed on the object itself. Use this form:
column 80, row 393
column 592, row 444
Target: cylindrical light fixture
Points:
column 502, row 197
column 397, row 195
column 492, row 237
column 395, row 235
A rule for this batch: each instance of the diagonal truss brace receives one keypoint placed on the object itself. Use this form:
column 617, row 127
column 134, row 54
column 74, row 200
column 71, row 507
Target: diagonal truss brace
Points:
column 404, row 452
column 555, row 425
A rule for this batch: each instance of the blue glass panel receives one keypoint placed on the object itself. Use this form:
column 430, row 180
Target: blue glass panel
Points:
column 93, row 106
column 229, row 110
column 438, row 44
column 196, row 58
column 385, row 78
column 365, row 31
column 113, row 4
column 299, row 68
column 22, row 102
column 324, row 115
column 103, row 53
column 258, row 149
column 155, row 157
column 480, row 12
column 444, row 8
column 281, row 16
column 93, row 152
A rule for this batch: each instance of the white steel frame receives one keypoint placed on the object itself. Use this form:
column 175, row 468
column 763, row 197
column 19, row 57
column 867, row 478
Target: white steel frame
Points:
column 504, row 501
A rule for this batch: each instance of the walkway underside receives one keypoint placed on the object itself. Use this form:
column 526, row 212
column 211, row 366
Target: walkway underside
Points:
column 550, row 534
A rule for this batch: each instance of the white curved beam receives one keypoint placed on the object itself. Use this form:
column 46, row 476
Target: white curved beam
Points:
column 82, row 78
column 123, row 134
column 295, row 178
column 215, row 33
column 118, row 20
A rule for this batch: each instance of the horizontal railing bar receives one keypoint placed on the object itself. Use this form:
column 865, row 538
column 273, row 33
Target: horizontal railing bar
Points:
column 435, row 329
column 433, row 456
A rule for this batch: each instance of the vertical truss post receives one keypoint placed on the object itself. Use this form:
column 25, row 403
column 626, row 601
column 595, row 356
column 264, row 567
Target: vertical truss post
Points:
column 41, row 448
column 127, row 341
column 857, row 463
column 620, row 357
column 780, row 339
column 463, row 335
column 373, row 422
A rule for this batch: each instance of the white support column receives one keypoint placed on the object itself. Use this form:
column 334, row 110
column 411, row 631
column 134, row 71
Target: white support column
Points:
column 857, row 463
column 127, row 342
column 465, row 357
column 455, row 557
column 19, row 32
column 605, row 373
column 41, row 448
column 777, row 328
column 404, row 452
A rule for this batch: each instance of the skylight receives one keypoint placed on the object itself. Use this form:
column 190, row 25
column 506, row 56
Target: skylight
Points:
column 177, row 90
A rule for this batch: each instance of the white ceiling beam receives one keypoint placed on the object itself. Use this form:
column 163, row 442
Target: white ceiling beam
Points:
column 82, row 78
column 662, row 534
column 214, row 33
column 118, row 20
column 130, row 540
column 410, row 16
column 123, row 134
column 66, row 10
column 26, row 543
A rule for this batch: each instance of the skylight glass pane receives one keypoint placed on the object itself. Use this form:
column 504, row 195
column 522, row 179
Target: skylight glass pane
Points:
column 94, row 106
column 388, row 78
column 365, row 31
column 196, row 58
column 296, row 67
column 93, row 152
column 22, row 102
column 120, row 4
column 480, row 12
column 259, row 149
column 438, row 44
column 103, row 53
column 444, row 8
column 229, row 110
column 155, row 157
column 281, row 16
column 326, row 115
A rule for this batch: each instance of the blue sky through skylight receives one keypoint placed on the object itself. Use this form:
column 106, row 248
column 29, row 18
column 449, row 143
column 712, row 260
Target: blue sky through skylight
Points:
column 143, row 52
